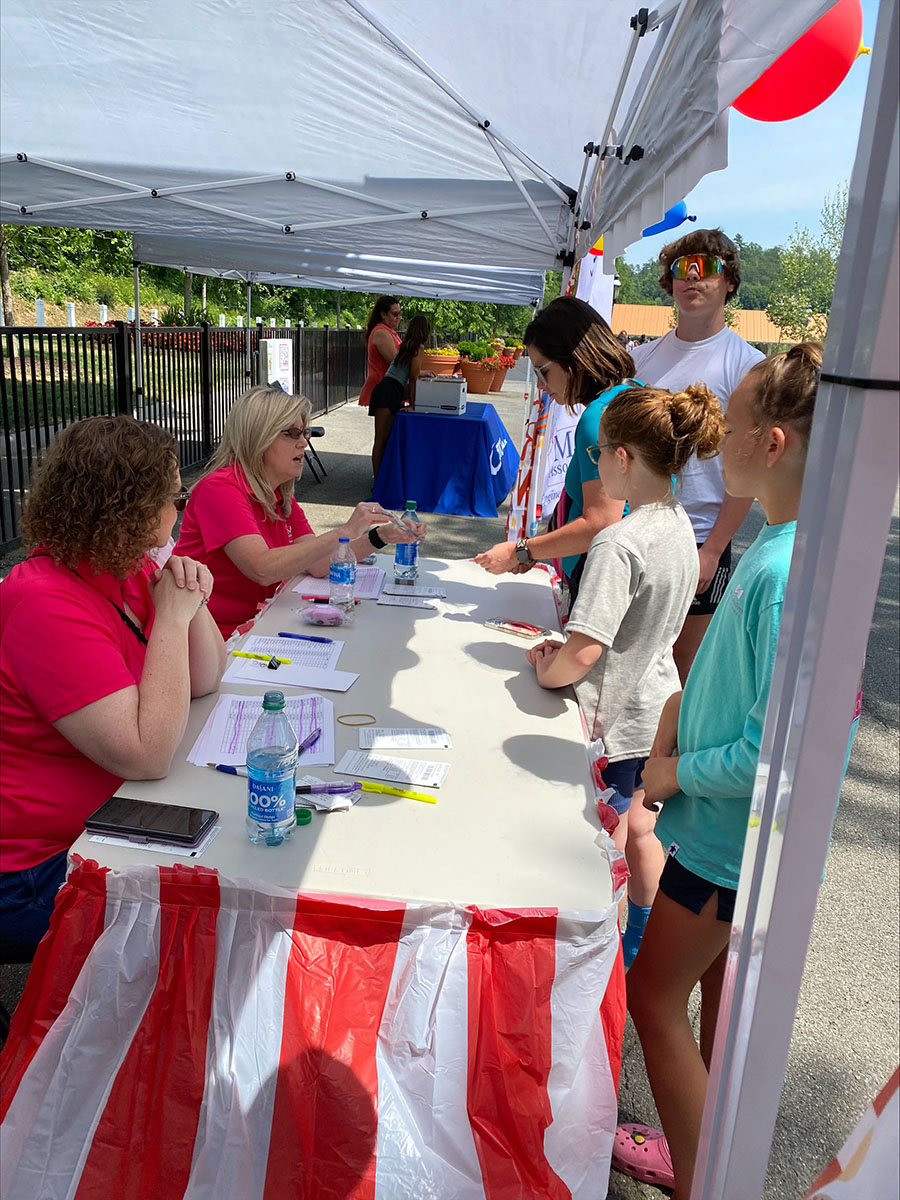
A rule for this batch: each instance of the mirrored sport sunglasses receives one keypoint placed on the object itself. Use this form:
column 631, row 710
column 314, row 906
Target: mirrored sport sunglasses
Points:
column 295, row 433
column 180, row 499
column 705, row 264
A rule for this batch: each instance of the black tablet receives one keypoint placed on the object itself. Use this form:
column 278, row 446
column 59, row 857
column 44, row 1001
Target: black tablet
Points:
column 146, row 821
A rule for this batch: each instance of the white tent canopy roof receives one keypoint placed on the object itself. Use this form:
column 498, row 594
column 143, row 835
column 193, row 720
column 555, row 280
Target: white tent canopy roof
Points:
column 413, row 129
column 294, row 266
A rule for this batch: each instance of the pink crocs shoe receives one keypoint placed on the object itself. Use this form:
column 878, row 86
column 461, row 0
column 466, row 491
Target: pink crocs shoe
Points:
column 643, row 1153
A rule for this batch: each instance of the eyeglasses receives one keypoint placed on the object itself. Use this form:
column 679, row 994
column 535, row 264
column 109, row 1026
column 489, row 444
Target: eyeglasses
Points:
column 539, row 371
column 704, row 264
column 180, row 499
column 295, row 433
column 594, row 452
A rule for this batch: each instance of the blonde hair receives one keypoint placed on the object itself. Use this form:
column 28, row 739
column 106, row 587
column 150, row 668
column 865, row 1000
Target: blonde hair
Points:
column 666, row 428
column 256, row 419
column 785, row 387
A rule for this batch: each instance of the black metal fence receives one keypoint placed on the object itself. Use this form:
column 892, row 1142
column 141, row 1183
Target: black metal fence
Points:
column 190, row 378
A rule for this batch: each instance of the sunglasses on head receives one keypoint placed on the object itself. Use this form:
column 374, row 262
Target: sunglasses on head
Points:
column 295, row 433
column 180, row 499
column 704, row 264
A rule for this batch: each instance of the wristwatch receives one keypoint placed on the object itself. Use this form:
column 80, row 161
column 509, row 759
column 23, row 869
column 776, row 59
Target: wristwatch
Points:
column 523, row 554
column 375, row 538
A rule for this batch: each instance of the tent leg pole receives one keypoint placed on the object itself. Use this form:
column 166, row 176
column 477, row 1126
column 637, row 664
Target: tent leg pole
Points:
column 248, row 366
column 138, row 356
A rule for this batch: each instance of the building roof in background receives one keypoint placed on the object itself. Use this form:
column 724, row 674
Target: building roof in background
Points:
column 653, row 320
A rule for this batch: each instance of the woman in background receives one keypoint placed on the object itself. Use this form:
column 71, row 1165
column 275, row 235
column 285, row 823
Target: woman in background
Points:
column 100, row 650
column 382, row 342
column 243, row 520
column 398, row 385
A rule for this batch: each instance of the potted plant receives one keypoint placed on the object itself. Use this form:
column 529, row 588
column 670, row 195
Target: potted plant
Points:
column 441, row 361
column 477, row 366
column 504, row 362
column 515, row 348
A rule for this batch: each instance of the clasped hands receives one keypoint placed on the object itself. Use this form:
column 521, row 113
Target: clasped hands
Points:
column 182, row 586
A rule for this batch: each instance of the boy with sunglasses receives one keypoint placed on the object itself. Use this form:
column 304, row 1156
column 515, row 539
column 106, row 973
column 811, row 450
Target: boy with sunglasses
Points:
column 701, row 270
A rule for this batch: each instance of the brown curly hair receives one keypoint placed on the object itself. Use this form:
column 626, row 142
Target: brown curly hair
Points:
column 702, row 241
column 665, row 427
column 99, row 493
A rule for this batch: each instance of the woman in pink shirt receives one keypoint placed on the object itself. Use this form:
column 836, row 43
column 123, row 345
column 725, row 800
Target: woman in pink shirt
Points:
column 100, row 650
column 382, row 343
column 243, row 520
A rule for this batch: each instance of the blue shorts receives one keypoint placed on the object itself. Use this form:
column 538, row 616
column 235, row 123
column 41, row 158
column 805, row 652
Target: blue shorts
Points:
column 27, row 898
column 625, row 776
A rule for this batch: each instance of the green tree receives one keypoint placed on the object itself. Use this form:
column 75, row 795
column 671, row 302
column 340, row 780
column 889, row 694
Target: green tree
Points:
column 800, row 301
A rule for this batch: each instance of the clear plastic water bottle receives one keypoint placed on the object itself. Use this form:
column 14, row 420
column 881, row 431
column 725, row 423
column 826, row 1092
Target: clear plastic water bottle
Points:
column 272, row 767
column 406, row 554
column 342, row 578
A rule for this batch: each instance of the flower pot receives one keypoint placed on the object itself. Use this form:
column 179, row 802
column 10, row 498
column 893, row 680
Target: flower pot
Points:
column 440, row 364
column 498, row 377
column 478, row 379
column 517, row 353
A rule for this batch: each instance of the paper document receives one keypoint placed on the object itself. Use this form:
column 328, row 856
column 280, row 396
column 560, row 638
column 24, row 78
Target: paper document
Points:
column 108, row 839
column 312, row 664
column 369, row 582
column 399, row 772
column 406, row 601
column 375, row 737
column 403, row 589
column 223, row 739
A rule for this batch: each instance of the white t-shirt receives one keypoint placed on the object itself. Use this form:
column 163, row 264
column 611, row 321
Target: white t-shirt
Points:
column 720, row 362
column 638, row 583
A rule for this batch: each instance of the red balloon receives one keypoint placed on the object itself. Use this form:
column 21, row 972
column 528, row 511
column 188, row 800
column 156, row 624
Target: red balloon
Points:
column 810, row 70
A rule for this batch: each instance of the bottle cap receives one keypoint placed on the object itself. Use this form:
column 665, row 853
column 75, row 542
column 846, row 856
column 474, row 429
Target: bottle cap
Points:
column 303, row 815
column 272, row 701
column 343, row 539
column 411, row 504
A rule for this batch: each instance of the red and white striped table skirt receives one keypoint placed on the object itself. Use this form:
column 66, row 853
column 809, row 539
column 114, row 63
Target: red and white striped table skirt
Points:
column 187, row 1035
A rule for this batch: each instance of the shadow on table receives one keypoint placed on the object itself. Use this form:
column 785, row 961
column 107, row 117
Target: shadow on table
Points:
column 534, row 754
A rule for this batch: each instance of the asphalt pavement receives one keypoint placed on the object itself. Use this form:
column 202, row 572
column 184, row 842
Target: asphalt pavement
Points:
column 845, row 1042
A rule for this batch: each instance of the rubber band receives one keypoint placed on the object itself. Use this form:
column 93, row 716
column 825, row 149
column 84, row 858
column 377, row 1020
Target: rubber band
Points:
column 369, row 720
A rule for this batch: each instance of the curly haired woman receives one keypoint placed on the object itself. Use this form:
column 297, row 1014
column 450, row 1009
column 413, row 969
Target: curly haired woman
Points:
column 100, row 650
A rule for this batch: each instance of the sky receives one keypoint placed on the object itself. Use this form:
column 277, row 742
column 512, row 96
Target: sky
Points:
column 779, row 172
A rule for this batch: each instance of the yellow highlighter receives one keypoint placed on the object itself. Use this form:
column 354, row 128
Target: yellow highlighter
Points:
column 392, row 791
column 266, row 658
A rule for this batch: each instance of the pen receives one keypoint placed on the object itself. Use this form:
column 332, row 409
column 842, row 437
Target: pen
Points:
column 309, row 741
column 266, row 658
column 315, row 600
column 305, row 637
column 392, row 791
column 302, row 789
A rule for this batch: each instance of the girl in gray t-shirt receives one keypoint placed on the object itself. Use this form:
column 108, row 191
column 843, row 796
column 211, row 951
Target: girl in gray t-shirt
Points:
column 638, row 583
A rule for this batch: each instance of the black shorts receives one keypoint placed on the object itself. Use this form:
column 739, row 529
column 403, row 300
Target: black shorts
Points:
column 707, row 602
column 388, row 394
column 692, row 892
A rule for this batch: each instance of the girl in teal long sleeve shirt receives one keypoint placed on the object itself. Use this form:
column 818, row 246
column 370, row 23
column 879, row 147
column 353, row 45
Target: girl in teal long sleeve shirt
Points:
column 703, row 764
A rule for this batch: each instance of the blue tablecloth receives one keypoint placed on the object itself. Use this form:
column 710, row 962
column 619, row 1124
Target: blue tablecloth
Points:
column 448, row 464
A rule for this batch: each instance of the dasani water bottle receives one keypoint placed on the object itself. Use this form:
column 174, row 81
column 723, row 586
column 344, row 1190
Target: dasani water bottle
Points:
column 342, row 578
column 272, row 767
column 406, row 554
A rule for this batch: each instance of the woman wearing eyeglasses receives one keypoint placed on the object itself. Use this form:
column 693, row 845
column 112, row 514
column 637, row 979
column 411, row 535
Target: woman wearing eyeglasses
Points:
column 382, row 343
column 578, row 360
column 100, row 650
column 243, row 520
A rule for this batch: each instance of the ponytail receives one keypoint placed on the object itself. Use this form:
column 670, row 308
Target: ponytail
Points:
column 666, row 428
column 785, row 387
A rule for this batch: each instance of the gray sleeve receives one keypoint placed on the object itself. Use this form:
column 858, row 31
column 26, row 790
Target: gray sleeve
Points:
column 608, row 585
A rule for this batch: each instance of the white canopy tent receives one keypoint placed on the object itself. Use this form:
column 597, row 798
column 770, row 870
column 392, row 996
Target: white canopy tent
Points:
column 402, row 133
column 289, row 265
column 442, row 133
